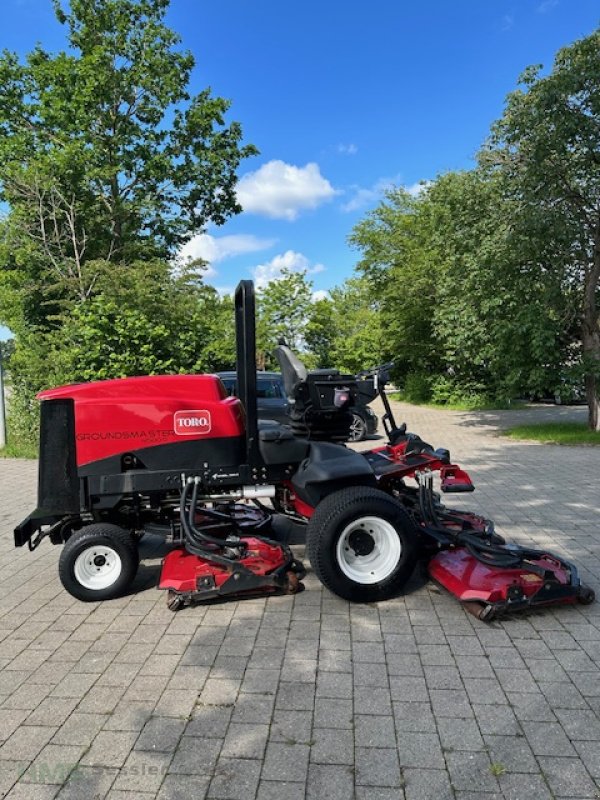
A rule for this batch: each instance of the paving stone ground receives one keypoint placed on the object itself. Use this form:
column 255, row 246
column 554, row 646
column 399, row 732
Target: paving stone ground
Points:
column 309, row 696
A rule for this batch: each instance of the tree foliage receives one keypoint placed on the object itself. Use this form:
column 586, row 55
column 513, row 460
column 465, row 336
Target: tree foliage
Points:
column 489, row 281
column 146, row 321
column 398, row 265
column 546, row 147
column 283, row 306
column 344, row 331
column 104, row 154
column 497, row 313
column 108, row 165
column 466, row 307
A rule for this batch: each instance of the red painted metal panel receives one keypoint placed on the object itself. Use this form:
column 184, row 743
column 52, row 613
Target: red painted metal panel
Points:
column 183, row 571
column 468, row 579
column 118, row 416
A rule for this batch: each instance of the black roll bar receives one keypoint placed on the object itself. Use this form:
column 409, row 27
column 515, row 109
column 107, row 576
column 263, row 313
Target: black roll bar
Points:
column 245, row 335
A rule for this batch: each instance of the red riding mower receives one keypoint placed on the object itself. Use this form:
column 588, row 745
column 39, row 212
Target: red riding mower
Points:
column 175, row 455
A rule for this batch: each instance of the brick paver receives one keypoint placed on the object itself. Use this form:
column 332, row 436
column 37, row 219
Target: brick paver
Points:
column 309, row 696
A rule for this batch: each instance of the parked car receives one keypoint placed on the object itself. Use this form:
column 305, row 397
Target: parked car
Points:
column 271, row 400
column 273, row 404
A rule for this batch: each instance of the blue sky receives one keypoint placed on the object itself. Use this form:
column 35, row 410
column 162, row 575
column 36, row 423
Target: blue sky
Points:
column 342, row 98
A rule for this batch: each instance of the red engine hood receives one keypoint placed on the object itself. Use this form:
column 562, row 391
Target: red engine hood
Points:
column 129, row 414
column 208, row 387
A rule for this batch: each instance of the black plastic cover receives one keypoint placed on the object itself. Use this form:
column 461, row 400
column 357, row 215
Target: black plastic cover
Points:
column 330, row 466
column 58, row 482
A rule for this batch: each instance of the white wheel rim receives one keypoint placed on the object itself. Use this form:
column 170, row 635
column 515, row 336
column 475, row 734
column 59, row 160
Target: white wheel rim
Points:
column 97, row 567
column 380, row 539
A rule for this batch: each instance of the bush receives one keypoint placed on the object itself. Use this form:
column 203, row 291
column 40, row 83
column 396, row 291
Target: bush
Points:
column 447, row 391
column 22, row 423
column 417, row 388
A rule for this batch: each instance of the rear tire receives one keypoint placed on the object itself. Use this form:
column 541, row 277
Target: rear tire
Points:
column 98, row 562
column 362, row 544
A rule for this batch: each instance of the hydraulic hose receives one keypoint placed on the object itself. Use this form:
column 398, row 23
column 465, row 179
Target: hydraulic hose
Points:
column 498, row 555
column 197, row 544
column 209, row 513
column 198, row 541
column 488, row 554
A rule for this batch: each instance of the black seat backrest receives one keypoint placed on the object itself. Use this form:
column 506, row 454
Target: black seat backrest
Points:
column 293, row 370
column 314, row 410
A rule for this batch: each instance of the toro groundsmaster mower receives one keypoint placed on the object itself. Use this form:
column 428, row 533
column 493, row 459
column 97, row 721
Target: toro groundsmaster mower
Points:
column 174, row 455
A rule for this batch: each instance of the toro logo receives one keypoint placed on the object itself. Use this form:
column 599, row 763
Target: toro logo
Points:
column 191, row 423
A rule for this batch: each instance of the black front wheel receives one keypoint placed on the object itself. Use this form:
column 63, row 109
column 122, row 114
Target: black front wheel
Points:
column 98, row 562
column 362, row 544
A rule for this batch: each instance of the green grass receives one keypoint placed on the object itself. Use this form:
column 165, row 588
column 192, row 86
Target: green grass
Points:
column 16, row 449
column 467, row 404
column 556, row 433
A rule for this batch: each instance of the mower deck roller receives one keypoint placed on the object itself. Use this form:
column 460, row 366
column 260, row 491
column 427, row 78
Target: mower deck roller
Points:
column 175, row 455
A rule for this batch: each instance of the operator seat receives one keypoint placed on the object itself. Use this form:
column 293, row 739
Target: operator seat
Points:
column 320, row 400
column 293, row 370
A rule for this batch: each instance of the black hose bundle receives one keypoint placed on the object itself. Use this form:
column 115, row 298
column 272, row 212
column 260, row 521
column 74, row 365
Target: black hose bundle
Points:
column 501, row 555
column 203, row 544
column 489, row 554
column 480, row 546
column 199, row 542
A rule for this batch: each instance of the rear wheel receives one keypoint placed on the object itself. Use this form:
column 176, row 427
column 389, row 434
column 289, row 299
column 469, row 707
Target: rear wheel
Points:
column 362, row 544
column 98, row 562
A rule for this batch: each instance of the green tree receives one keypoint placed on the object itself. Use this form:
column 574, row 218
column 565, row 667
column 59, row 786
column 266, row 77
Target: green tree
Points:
column 143, row 321
column 497, row 316
column 104, row 154
column 358, row 342
column 546, row 146
column 399, row 264
column 467, row 306
column 320, row 334
column 283, row 307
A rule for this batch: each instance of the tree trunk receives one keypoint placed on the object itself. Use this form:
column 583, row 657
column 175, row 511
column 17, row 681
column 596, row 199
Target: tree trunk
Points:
column 593, row 401
column 591, row 339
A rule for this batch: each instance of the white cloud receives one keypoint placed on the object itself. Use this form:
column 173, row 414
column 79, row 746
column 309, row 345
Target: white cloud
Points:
column 415, row 189
column 507, row 22
column 218, row 248
column 320, row 294
column 214, row 249
column 546, row 5
column 362, row 197
column 280, row 191
column 347, row 149
column 290, row 260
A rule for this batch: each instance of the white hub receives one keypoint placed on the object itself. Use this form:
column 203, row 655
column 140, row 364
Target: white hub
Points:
column 368, row 550
column 97, row 567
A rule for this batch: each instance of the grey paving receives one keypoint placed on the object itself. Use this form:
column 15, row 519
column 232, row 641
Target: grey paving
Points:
column 308, row 697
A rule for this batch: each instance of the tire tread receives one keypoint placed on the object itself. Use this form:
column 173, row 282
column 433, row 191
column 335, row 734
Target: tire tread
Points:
column 331, row 508
column 91, row 532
